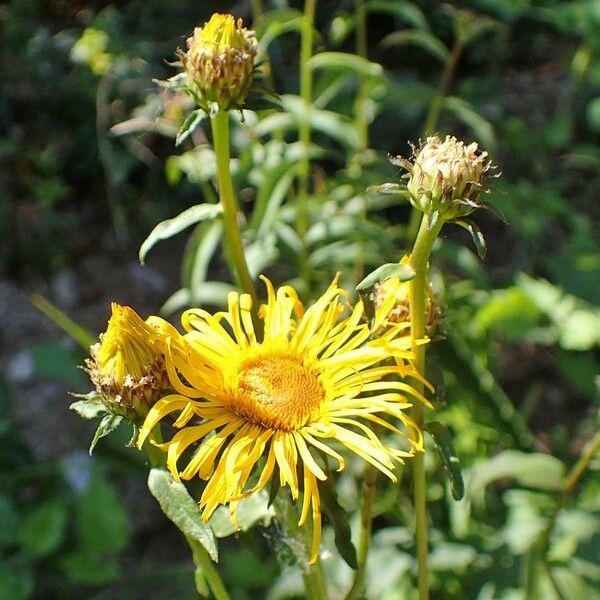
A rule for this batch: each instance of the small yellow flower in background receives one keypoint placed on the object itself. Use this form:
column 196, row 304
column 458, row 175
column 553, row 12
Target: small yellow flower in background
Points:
column 127, row 365
column 446, row 176
column 392, row 299
column 219, row 62
column 316, row 382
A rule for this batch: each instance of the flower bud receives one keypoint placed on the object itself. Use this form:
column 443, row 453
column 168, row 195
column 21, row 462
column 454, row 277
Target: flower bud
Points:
column 446, row 177
column 219, row 62
column 127, row 365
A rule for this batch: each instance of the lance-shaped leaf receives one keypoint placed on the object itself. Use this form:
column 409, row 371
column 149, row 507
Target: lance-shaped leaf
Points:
column 443, row 440
column 181, row 508
column 249, row 511
column 171, row 227
column 366, row 288
column 389, row 188
column 339, row 521
column 189, row 125
column 107, row 425
column 90, row 406
column 476, row 234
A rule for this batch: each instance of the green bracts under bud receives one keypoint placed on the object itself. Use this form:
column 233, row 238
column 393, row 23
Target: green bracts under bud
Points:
column 219, row 62
column 446, row 177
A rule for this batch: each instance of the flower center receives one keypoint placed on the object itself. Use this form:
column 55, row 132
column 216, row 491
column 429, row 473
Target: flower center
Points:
column 277, row 391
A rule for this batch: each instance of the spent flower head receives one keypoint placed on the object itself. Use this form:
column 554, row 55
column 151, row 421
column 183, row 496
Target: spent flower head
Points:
column 127, row 365
column 446, row 177
column 219, row 62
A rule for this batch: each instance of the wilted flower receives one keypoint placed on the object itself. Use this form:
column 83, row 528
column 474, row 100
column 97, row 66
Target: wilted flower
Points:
column 219, row 62
column 316, row 385
column 446, row 177
column 127, row 365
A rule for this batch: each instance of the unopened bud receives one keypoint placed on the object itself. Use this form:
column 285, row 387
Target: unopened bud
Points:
column 219, row 62
column 127, row 365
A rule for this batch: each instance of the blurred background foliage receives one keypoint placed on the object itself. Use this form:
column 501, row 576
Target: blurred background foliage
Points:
column 89, row 167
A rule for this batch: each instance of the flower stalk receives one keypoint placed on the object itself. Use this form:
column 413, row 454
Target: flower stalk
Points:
column 419, row 261
column 306, row 84
column 220, row 129
column 366, row 527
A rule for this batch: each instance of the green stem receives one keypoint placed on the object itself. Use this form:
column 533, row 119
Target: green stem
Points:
column 257, row 10
column 419, row 261
column 435, row 109
column 206, row 566
column 361, row 28
column 314, row 580
column 541, row 547
column 306, row 82
column 220, row 129
column 366, row 526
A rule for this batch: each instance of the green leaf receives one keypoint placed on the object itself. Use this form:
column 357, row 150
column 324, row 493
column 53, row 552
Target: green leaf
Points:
column 424, row 40
column 171, row 227
column 107, row 425
column 346, row 62
column 44, row 529
column 443, row 441
column 476, row 234
column 209, row 238
column 17, row 583
column 339, row 521
column 482, row 129
column 383, row 273
column 102, row 521
column 389, row 188
column 181, row 509
column 189, row 125
column 81, row 568
column 407, row 11
column 90, row 407
column 535, row 470
column 9, row 519
column 250, row 511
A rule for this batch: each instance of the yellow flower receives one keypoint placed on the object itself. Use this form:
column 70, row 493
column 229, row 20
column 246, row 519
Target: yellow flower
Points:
column 392, row 296
column 127, row 365
column 219, row 62
column 316, row 382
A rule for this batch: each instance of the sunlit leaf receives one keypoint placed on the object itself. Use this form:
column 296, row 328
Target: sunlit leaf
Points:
column 171, row 227
column 181, row 509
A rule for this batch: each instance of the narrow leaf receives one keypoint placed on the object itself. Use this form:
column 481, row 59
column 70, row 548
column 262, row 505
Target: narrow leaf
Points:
column 477, row 236
column 443, row 440
column 90, row 407
column 181, row 509
column 340, row 523
column 346, row 62
column 189, row 125
column 384, row 272
column 388, row 188
column 422, row 39
column 107, row 425
column 171, row 227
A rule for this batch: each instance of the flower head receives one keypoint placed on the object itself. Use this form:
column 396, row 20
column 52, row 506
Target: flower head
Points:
column 314, row 387
column 219, row 62
column 446, row 176
column 127, row 364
